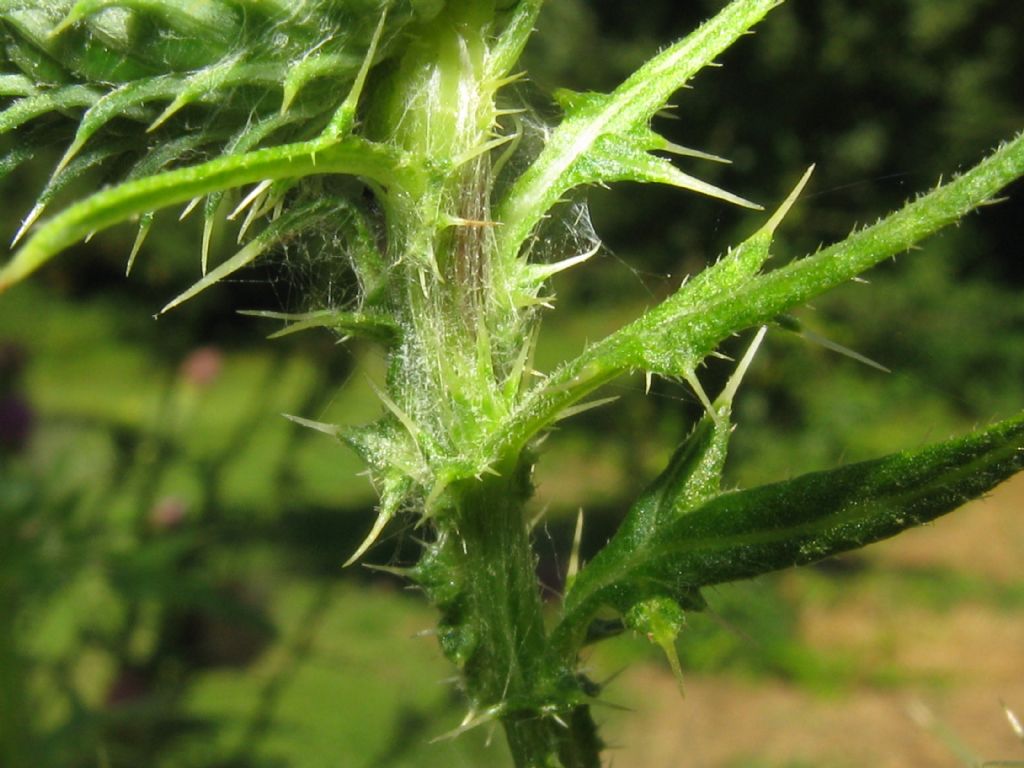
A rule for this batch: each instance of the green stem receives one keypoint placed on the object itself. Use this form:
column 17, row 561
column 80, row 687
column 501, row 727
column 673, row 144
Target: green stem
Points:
column 537, row 742
column 499, row 569
column 481, row 573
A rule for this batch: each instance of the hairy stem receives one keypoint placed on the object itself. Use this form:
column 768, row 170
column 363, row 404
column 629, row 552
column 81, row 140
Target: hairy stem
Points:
column 481, row 573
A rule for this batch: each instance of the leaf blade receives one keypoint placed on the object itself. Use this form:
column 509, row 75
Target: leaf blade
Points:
column 743, row 534
column 674, row 337
column 117, row 204
column 625, row 111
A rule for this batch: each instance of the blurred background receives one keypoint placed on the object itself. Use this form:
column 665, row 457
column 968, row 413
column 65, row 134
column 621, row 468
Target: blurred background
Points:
column 171, row 591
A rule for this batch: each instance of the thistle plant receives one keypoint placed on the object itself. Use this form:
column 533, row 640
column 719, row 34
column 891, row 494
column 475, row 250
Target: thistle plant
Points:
column 382, row 139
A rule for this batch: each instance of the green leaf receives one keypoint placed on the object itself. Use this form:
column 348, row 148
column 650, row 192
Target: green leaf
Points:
column 122, row 101
column 112, row 206
column 746, row 533
column 584, row 148
column 297, row 220
column 624, row 158
column 16, row 85
column 208, row 84
column 334, row 65
column 509, row 47
column 661, row 620
column 673, row 338
column 205, row 19
column 367, row 325
column 31, row 107
column 693, row 477
column 769, row 295
column 62, row 178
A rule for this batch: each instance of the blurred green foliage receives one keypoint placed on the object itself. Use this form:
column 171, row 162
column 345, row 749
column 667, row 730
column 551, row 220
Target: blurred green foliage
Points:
column 170, row 548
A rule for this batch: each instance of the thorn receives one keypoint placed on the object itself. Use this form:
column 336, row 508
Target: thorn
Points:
column 402, row 573
column 483, row 149
column 440, row 486
column 575, row 410
column 30, row 219
column 535, row 520
column 694, row 382
column 341, row 121
column 140, row 238
column 207, row 237
column 780, row 213
column 378, row 526
column 70, row 19
column 501, row 82
column 250, row 217
column 741, row 370
column 168, row 113
column 679, row 149
column 256, row 192
column 328, row 429
column 469, row 722
column 189, row 208
column 821, row 341
column 410, row 425
column 669, row 648
column 648, row 379
column 544, row 271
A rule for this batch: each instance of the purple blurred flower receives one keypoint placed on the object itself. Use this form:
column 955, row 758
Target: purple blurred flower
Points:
column 16, row 421
column 202, row 367
column 167, row 514
column 16, row 415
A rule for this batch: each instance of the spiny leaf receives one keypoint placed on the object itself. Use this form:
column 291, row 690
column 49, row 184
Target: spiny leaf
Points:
column 111, row 206
column 661, row 620
column 65, row 176
column 315, row 66
column 769, row 295
column 619, row 158
column 17, row 85
column 674, row 337
column 208, row 83
column 163, row 155
column 205, row 19
column 371, row 326
column 296, row 221
column 746, row 533
column 123, row 101
column 510, row 44
column 250, row 137
column 31, row 107
column 561, row 165
column 692, row 477
column 739, row 264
